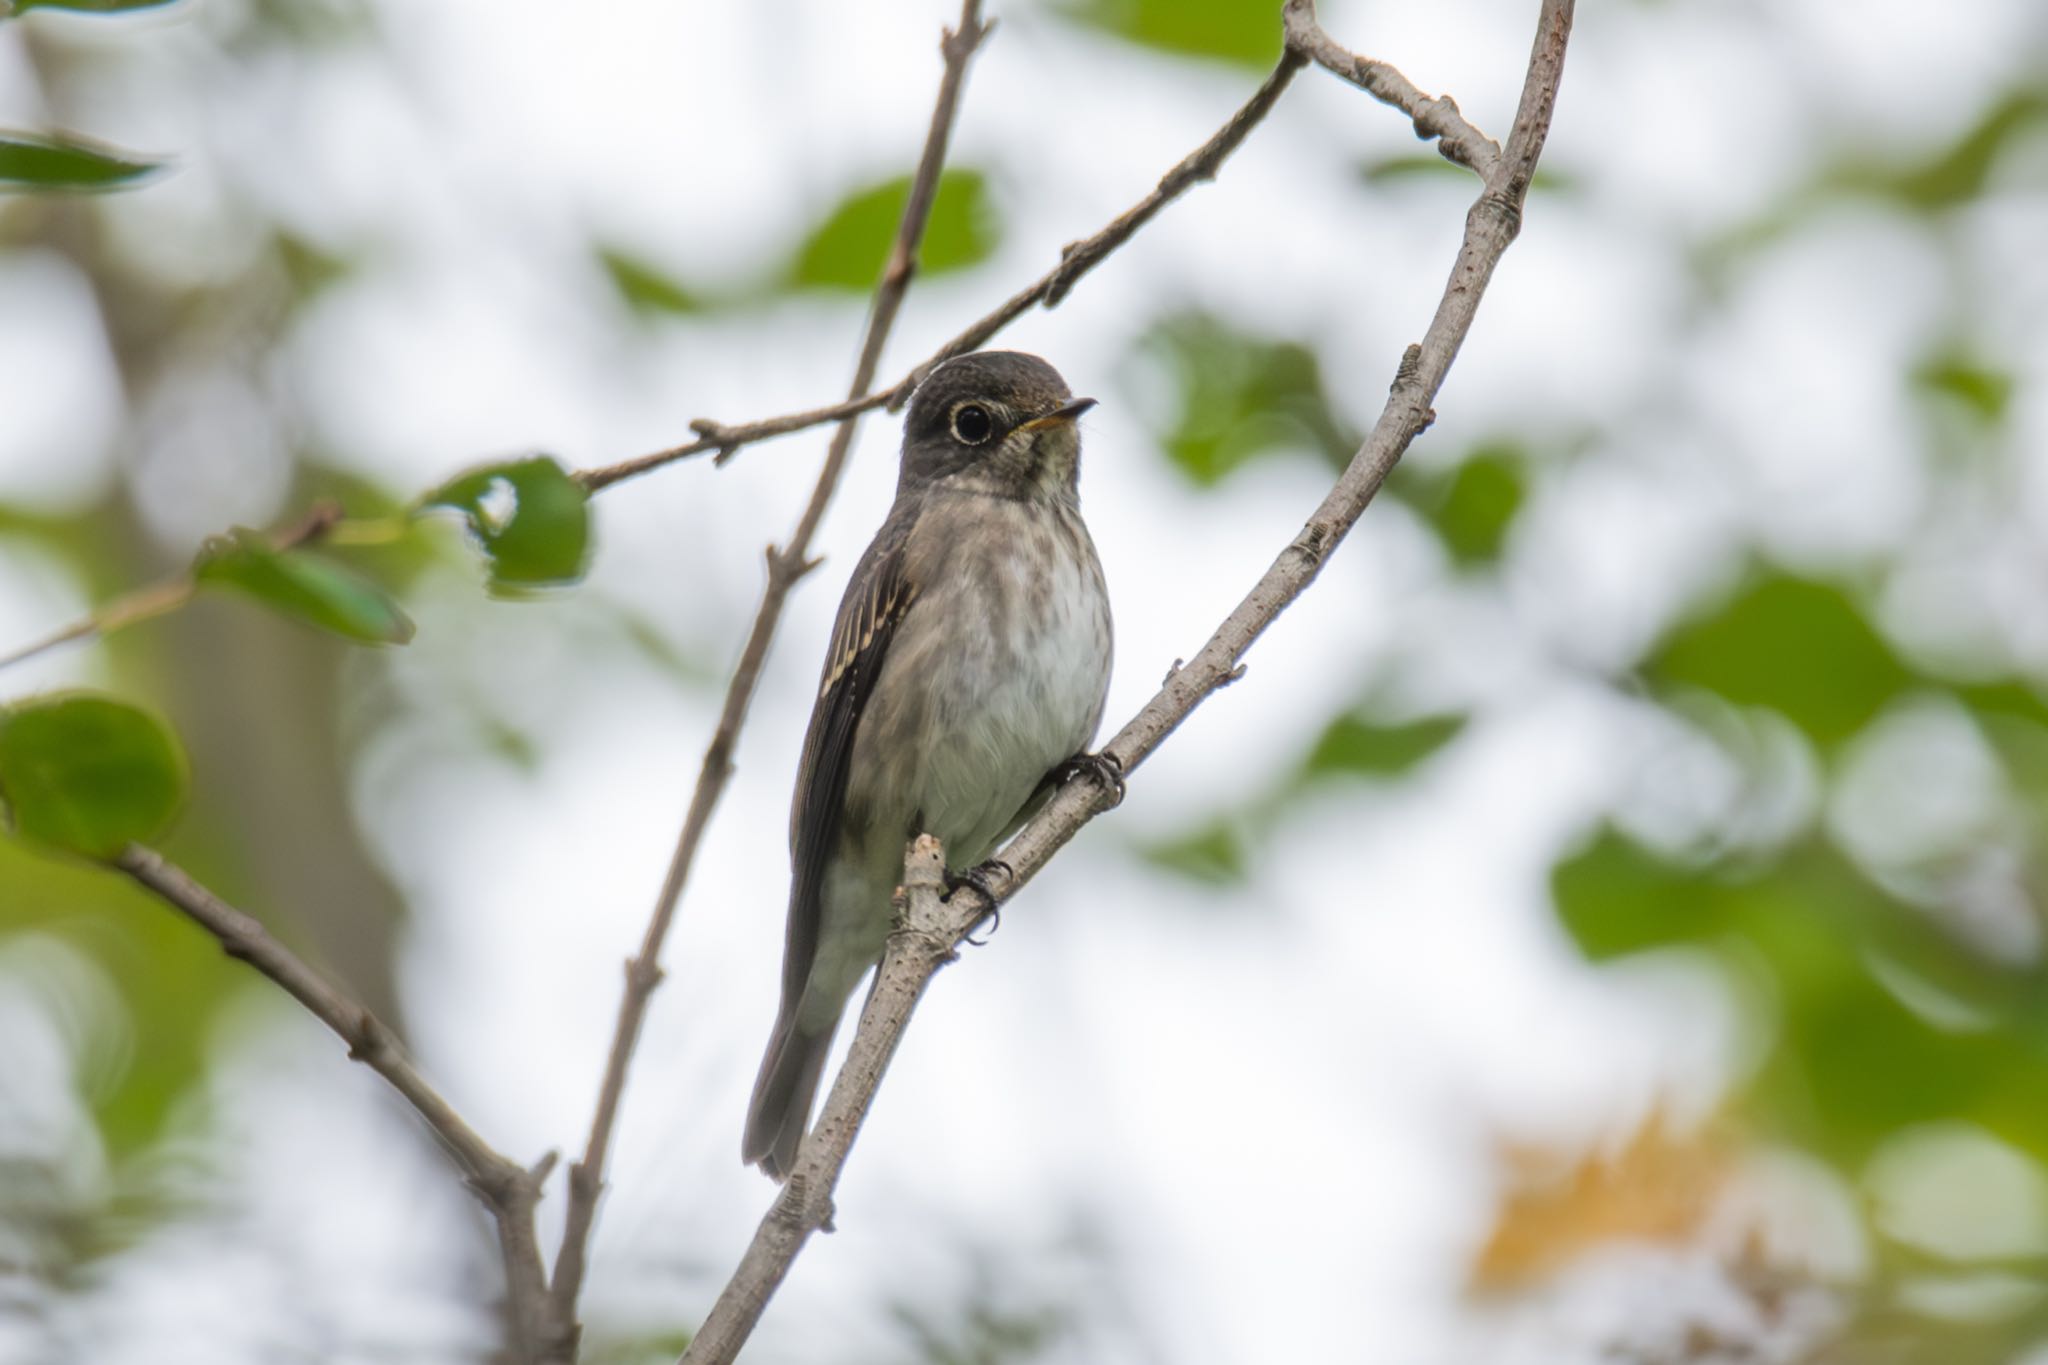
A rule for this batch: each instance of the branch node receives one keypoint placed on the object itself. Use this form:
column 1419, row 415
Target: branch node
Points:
column 643, row 975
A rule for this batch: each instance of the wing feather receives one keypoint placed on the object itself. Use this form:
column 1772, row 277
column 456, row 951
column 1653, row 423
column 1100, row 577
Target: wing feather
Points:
column 875, row 602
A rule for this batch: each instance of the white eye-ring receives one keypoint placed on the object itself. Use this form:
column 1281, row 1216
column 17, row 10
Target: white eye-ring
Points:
column 972, row 424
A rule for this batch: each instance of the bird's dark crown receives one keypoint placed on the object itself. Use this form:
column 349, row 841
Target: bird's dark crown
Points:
column 967, row 406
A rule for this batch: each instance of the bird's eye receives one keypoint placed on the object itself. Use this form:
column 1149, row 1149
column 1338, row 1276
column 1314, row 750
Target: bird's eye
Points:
column 971, row 423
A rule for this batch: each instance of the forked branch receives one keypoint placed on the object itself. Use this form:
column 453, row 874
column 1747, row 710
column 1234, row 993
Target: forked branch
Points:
column 930, row 929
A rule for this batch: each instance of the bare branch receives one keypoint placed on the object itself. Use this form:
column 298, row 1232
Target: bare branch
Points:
column 785, row 567
column 507, row 1189
column 927, row 929
column 1435, row 118
column 931, row 928
column 1076, row 260
column 1490, row 226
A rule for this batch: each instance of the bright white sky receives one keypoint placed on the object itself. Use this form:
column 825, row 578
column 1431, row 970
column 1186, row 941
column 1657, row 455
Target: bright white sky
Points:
column 1268, row 1113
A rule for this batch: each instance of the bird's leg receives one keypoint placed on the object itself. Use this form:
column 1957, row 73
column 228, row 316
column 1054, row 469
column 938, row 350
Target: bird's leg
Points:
column 977, row 877
column 1105, row 768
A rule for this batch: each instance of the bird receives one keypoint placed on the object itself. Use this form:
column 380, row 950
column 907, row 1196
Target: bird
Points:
column 966, row 675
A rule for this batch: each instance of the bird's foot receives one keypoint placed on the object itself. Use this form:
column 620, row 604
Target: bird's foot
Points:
column 978, row 878
column 1105, row 768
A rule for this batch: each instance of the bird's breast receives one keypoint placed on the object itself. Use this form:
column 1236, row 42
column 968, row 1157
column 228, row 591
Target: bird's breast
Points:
column 1005, row 676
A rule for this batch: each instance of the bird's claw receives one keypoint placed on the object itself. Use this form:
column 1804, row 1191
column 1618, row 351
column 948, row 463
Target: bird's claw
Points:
column 1105, row 768
column 978, row 878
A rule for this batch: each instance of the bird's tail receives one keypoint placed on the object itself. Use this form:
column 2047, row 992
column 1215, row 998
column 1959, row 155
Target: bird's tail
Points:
column 781, row 1108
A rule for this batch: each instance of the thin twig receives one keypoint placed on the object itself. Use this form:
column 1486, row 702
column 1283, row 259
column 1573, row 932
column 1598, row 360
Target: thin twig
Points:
column 1076, row 260
column 1435, row 118
column 507, row 1189
column 929, row 934
column 785, row 567
column 171, row 593
column 927, row 929
column 1490, row 226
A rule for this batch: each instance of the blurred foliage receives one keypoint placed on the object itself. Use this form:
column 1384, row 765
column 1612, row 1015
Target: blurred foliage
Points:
column 1360, row 743
column 1472, row 507
column 1983, row 390
column 87, row 773
column 1802, row 648
column 1356, row 745
column 66, row 162
column 1659, row 1188
column 170, row 977
column 86, row 6
column 304, row 586
column 530, row 518
column 1232, row 30
column 1237, row 397
column 645, row 287
column 1958, row 173
column 849, row 248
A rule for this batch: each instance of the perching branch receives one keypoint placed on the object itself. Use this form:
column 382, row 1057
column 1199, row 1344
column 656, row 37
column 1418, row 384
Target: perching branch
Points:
column 508, row 1190
column 785, row 567
column 1076, row 260
column 930, row 929
column 1491, row 225
column 1434, row 118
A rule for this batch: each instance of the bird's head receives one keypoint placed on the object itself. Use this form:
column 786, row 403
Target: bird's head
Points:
column 999, row 422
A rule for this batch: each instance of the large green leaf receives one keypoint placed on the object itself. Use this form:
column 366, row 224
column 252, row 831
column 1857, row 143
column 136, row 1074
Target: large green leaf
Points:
column 1801, row 648
column 849, row 249
column 34, row 162
column 1241, row 31
column 88, row 773
column 529, row 517
column 304, row 586
column 1240, row 397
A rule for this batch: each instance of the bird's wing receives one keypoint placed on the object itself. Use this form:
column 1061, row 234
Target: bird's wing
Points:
column 876, row 599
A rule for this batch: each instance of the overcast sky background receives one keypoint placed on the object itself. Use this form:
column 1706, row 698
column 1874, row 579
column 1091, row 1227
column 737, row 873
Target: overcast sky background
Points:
column 1252, row 1123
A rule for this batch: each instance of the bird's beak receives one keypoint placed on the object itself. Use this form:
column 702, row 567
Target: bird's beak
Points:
column 1063, row 414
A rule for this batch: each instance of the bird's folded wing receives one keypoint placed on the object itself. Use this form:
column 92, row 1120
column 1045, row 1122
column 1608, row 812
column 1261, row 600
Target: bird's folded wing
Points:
column 875, row 603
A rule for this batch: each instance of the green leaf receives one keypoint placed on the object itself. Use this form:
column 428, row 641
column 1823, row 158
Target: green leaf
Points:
column 849, row 249
column 1472, row 508
column 1615, row 897
column 89, row 774
column 1214, row 855
column 528, row 516
column 1959, row 173
column 1801, row 648
column 1355, row 745
column 1241, row 397
column 316, row 591
column 1233, row 30
column 644, row 288
column 1983, row 390
column 64, row 162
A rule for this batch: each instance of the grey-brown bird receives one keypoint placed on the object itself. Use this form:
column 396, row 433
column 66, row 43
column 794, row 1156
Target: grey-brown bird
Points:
column 969, row 662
